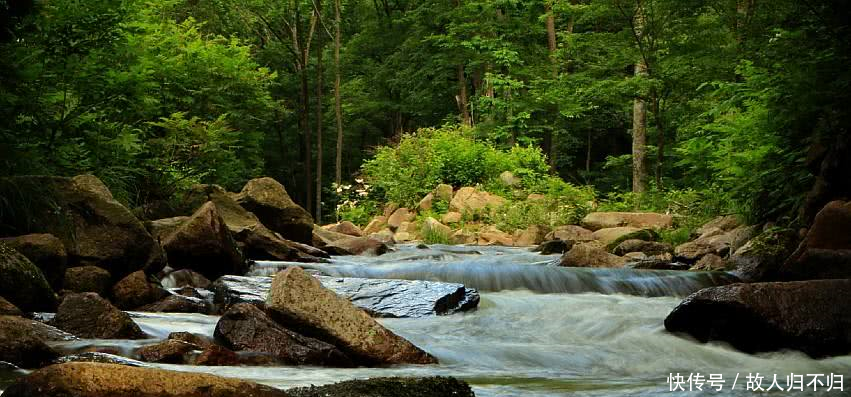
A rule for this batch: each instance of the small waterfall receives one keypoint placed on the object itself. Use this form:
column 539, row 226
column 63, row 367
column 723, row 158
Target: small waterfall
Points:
column 499, row 269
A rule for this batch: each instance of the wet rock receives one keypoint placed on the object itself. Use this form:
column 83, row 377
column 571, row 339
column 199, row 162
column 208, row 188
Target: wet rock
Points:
column 760, row 259
column 638, row 220
column 471, row 200
column 608, row 236
column 259, row 243
column 245, row 327
column 322, row 237
column 167, row 352
column 109, row 380
column 570, row 233
column 185, row 278
column 379, row 297
column 45, row 251
column 555, row 247
column 135, row 290
column 204, row 244
column 268, row 199
column 825, row 252
column 87, row 315
column 532, row 235
column 646, row 247
column 811, row 316
column 398, row 216
column 177, row 304
column 215, row 356
column 197, row 340
column 87, row 279
column 657, row 264
column 23, row 284
column 389, row 387
column 8, row 309
column 98, row 357
column 300, row 301
column 21, row 345
column 93, row 226
column 357, row 246
column 589, row 255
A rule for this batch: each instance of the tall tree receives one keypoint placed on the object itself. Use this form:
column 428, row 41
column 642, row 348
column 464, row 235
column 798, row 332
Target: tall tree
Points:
column 338, row 106
column 639, row 108
column 319, row 70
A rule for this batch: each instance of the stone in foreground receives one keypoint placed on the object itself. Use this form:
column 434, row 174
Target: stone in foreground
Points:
column 302, row 302
column 21, row 345
column 810, row 316
column 436, row 386
column 379, row 297
column 23, row 284
column 110, row 380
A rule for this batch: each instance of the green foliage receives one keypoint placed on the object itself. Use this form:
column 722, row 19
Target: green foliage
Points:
column 549, row 211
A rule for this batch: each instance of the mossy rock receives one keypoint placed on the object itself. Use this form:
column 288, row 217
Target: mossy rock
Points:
column 643, row 234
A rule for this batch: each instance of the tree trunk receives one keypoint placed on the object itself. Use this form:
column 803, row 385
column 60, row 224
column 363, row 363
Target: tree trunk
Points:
column 338, row 107
column 319, row 71
column 639, row 117
column 549, row 137
column 463, row 108
column 660, row 146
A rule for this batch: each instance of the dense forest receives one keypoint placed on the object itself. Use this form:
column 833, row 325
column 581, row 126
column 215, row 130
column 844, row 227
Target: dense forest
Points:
column 718, row 100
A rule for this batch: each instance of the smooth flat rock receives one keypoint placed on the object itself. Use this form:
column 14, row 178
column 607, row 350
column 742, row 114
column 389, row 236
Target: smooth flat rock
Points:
column 379, row 297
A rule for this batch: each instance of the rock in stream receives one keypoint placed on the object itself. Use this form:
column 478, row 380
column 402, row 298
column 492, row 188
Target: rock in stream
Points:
column 379, row 297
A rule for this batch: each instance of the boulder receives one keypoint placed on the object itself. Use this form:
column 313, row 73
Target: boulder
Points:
column 23, row 284
column 162, row 228
column 608, row 236
column 244, row 327
column 111, row 380
column 385, row 236
column 825, row 252
column 45, row 251
column 177, row 304
column 432, row 226
column 87, row 315
column 590, row 255
column 94, row 227
column 269, row 201
column 21, row 345
column 378, row 297
column 444, row 192
column 638, row 220
column 761, row 258
column 463, row 237
column 570, row 233
column 345, row 227
column 166, row 352
column 532, row 235
column 185, row 278
column 710, row 263
column 649, row 248
column 471, row 200
column 205, row 244
column 426, row 203
column 300, row 301
column 723, row 223
column 389, row 387
column 375, row 225
column 810, row 316
column 357, row 246
column 322, row 237
column 555, row 247
column 99, row 357
column 400, row 215
column 714, row 241
column 451, row 217
column 216, row 355
column 493, row 236
column 389, row 209
column 136, row 290
column 87, row 279
column 8, row 309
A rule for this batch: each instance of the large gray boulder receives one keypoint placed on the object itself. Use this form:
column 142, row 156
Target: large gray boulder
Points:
column 379, row 297
column 810, row 316
column 204, row 244
column 268, row 199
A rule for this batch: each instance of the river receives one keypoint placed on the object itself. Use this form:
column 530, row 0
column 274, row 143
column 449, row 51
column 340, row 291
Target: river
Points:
column 539, row 330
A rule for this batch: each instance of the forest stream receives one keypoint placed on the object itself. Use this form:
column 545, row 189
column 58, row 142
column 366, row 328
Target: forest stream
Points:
column 539, row 330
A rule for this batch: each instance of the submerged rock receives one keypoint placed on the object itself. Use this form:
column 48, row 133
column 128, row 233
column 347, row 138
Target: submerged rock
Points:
column 88, row 315
column 166, row 352
column 23, row 284
column 811, row 316
column 98, row 357
column 110, row 380
column 269, row 201
column 300, row 301
column 245, row 327
column 437, row 386
column 379, row 297
column 177, row 304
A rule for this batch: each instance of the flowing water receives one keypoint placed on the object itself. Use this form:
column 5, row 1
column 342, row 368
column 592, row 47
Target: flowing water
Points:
column 540, row 330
